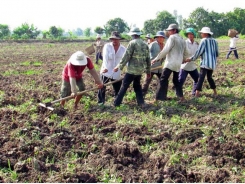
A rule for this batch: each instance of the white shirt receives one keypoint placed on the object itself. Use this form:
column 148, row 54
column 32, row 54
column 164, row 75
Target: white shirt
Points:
column 111, row 60
column 192, row 48
column 233, row 41
column 175, row 52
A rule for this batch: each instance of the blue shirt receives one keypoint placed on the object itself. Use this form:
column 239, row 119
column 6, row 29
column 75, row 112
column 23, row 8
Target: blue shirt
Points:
column 208, row 50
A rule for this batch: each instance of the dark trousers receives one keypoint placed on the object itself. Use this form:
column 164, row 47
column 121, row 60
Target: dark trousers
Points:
column 101, row 92
column 235, row 53
column 128, row 79
column 203, row 73
column 162, row 88
column 194, row 75
column 148, row 81
column 98, row 56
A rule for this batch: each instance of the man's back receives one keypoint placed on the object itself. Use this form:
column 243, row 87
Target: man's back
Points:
column 175, row 50
column 137, row 57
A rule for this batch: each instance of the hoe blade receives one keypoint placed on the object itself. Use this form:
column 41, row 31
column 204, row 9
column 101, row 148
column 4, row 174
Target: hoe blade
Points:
column 46, row 106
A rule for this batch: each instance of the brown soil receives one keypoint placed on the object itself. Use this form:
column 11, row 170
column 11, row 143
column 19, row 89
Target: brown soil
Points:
column 36, row 147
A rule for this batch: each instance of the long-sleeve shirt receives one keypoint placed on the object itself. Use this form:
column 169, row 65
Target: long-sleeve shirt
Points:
column 175, row 52
column 111, row 59
column 233, row 41
column 209, row 51
column 192, row 48
column 154, row 48
column 137, row 57
column 99, row 44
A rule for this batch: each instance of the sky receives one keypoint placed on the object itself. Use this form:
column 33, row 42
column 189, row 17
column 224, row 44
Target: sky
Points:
column 71, row 14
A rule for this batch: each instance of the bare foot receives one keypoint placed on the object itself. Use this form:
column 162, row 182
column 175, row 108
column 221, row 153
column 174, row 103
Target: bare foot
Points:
column 181, row 99
column 154, row 102
column 215, row 92
column 75, row 107
column 197, row 94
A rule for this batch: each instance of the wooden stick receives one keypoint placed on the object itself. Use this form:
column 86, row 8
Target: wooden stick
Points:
column 85, row 91
column 232, row 49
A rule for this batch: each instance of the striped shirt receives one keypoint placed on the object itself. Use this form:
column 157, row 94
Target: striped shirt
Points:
column 209, row 51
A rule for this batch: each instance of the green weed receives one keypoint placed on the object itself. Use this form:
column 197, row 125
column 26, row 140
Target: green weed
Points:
column 110, row 178
column 9, row 171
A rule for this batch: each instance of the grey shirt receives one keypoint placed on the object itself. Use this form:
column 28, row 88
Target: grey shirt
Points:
column 154, row 48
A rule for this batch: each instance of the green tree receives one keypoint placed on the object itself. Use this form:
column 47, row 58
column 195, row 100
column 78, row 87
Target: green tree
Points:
column 55, row 32
column 149, row 27
column 107, row 29
column 4, row 31
column 99, row 30
column 87, row 32
column 218, row 22
column 79, row 32
column 26, row 31
column 237, row 19
column 198, row 18
column 71, row 34
column 116, row 24
column 45, row 34
column 163, row 20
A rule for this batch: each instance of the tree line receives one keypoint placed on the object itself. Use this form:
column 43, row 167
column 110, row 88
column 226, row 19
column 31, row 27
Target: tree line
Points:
column 200, row 17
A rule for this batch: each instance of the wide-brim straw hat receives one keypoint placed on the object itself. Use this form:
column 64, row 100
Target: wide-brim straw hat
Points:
column 78, row 59
column 206, row 30
column 115, row 35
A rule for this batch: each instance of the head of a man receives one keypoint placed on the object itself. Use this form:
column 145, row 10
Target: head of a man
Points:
column 190, row 33
column 135, row 33
column 190, row 36
column 149, row 39
column 98, row 37
column 115, row 38
column 206, row 32
column 160, row 37
column 172, row 29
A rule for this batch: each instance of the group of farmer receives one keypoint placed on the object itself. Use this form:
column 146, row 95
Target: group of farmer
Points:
column 177, row 56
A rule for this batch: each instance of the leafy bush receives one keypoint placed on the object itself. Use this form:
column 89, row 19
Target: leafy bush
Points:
column 25, row 31
column 55, row 32
column 4, row 31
